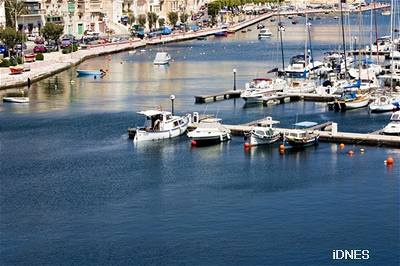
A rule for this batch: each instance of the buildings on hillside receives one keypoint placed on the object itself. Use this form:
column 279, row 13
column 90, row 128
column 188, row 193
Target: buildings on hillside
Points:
column 78, row 16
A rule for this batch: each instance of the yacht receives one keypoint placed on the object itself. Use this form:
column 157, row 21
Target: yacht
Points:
column 300, row 86
column 256, row 89
column 263, row 135
column 351, row 100
column 302, row 66
column 209, row 131
column 385, row 103
column 264, row 33
column 162, row 58
column 393, row 128
column 159, row 125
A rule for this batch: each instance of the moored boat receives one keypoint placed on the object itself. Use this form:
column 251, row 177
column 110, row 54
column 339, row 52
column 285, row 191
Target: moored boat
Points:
column 393, row 128
column 16, row 99
column 84, row 72
column 264, row 33
column 162, row 58
column 299, row 138
column 209, row 131
column 384, row 103
column 351, row 100
column 263, row 135
column 16, row 70
column 159, row 125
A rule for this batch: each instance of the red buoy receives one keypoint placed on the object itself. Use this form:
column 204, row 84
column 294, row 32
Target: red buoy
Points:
column 350, row 152
column 247, row 145
column 194, row 143
column 389, row 160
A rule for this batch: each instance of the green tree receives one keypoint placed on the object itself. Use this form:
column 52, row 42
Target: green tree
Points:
column 52, row 31
column 161, row 22
column 131, row 17
column 11, row 37
column 14, row 9
column 213, row 9
column 142, row 20
column 172, row 18
column 184, row 17
column 152, row 19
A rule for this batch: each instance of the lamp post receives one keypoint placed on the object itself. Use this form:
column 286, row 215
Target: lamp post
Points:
column 234, row 79
column 172, row 97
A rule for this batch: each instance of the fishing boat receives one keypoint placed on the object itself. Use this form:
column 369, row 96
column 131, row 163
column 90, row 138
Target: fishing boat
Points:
column 263, row 135
column 384, row 103
column 299, row 138
column 16, row 99
column 29, row 58
column 84, row 72
column 264, row 33
column 386, row 13
column 16, row 70
column 159, row 125
column 393, row 128
column 351, row 100
column 162, row 58
column 209, row 131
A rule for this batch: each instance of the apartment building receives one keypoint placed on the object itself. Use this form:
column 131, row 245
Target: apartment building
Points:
column 2, row 14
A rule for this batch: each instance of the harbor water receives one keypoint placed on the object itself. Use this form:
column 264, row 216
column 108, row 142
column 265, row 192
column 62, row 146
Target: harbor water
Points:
column 74, row 190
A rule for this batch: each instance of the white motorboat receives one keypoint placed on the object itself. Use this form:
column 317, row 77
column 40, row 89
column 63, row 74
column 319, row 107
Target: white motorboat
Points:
column 297, row 86
column 302, row 66
column 160, row 125
column 386, row 13
column 263, row 135
column 300, row 138
column 393, row 128
column 264, row 34
column 209, row 131
column 162, row 58
column 384, row 103
column 258, row 87
column 16, row 99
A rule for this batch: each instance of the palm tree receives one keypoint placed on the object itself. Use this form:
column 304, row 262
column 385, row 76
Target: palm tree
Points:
column 15, row 8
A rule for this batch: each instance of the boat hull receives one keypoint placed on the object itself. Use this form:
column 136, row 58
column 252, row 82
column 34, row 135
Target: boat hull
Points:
column 211, row 139
column 350, row 105
column 16, row 99
column 300, row 143
column 375, row 108
column 89, row 73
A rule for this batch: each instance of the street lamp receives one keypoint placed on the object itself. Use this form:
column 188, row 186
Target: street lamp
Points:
column 172, row 97
column 234, row 79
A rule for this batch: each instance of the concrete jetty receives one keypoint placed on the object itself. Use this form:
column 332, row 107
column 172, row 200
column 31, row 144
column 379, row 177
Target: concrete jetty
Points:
column 217, row 96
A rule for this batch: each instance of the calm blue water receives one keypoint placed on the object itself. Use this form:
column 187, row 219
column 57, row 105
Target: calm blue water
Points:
column 75, row 191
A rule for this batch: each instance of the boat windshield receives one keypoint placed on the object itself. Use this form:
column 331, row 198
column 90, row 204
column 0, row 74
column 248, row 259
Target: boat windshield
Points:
column 395, row 117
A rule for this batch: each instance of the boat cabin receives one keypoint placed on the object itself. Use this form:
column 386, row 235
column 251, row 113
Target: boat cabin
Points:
column 395, row 117
column 160, row 120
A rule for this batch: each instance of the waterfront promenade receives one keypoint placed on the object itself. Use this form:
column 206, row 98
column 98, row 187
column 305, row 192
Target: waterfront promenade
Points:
column 56, row 62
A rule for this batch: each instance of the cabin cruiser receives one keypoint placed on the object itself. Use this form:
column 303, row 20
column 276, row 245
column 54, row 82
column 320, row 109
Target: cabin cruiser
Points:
column 256, row 89
column 209, row 131
column 160, row 125
column 264, row 33
column 302, row 66
column 263, row 135
column 382, row 45
column 162, row 58
column 393, row 128
column 300, row 86
column 299, row 138
column 385, row 103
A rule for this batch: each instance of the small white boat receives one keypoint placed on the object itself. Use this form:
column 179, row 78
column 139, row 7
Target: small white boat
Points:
column 393, row 128
column 160, row 125
column 264, row 34
column 16, row 99
column 300, row 86
column 258, row 87
column 162, row 58
column 263, row 135
column 209, row 131
column 386, row 13
column 384, row 104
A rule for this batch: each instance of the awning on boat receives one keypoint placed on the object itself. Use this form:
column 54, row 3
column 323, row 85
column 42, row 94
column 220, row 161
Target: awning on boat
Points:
column 306, row 124
column 152, row 112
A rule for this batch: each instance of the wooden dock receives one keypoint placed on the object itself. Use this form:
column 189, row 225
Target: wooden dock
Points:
column 217, row 96
column 281, row 97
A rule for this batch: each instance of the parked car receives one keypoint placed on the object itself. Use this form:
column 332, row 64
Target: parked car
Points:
column 31, row 37
column 65, row 43
column 39, row 40
column 39, row 49
column 51, row 47
column 3, row 50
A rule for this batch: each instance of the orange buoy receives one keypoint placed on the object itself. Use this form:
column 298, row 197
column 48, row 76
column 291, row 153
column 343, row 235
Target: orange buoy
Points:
column 194, row 143
column 350, row 152
column 389, row 160
column 281, row 147
column 247, row 145
column 341, row 146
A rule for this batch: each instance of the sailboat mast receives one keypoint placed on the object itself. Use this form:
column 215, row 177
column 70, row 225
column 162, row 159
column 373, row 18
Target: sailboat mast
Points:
column 391, row 43
column 359, row 44
column 280, row 37
column 376, row 31
column 343, row 38
column 370, row 33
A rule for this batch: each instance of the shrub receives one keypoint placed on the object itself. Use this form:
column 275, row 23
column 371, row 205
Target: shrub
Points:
column 19, row 60
column 39, row 57
column 5, row 63
column 66, row 50
column 13, row 61
column 74, row 48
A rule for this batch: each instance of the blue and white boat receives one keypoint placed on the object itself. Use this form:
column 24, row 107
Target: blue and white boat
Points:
column 83, row 72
